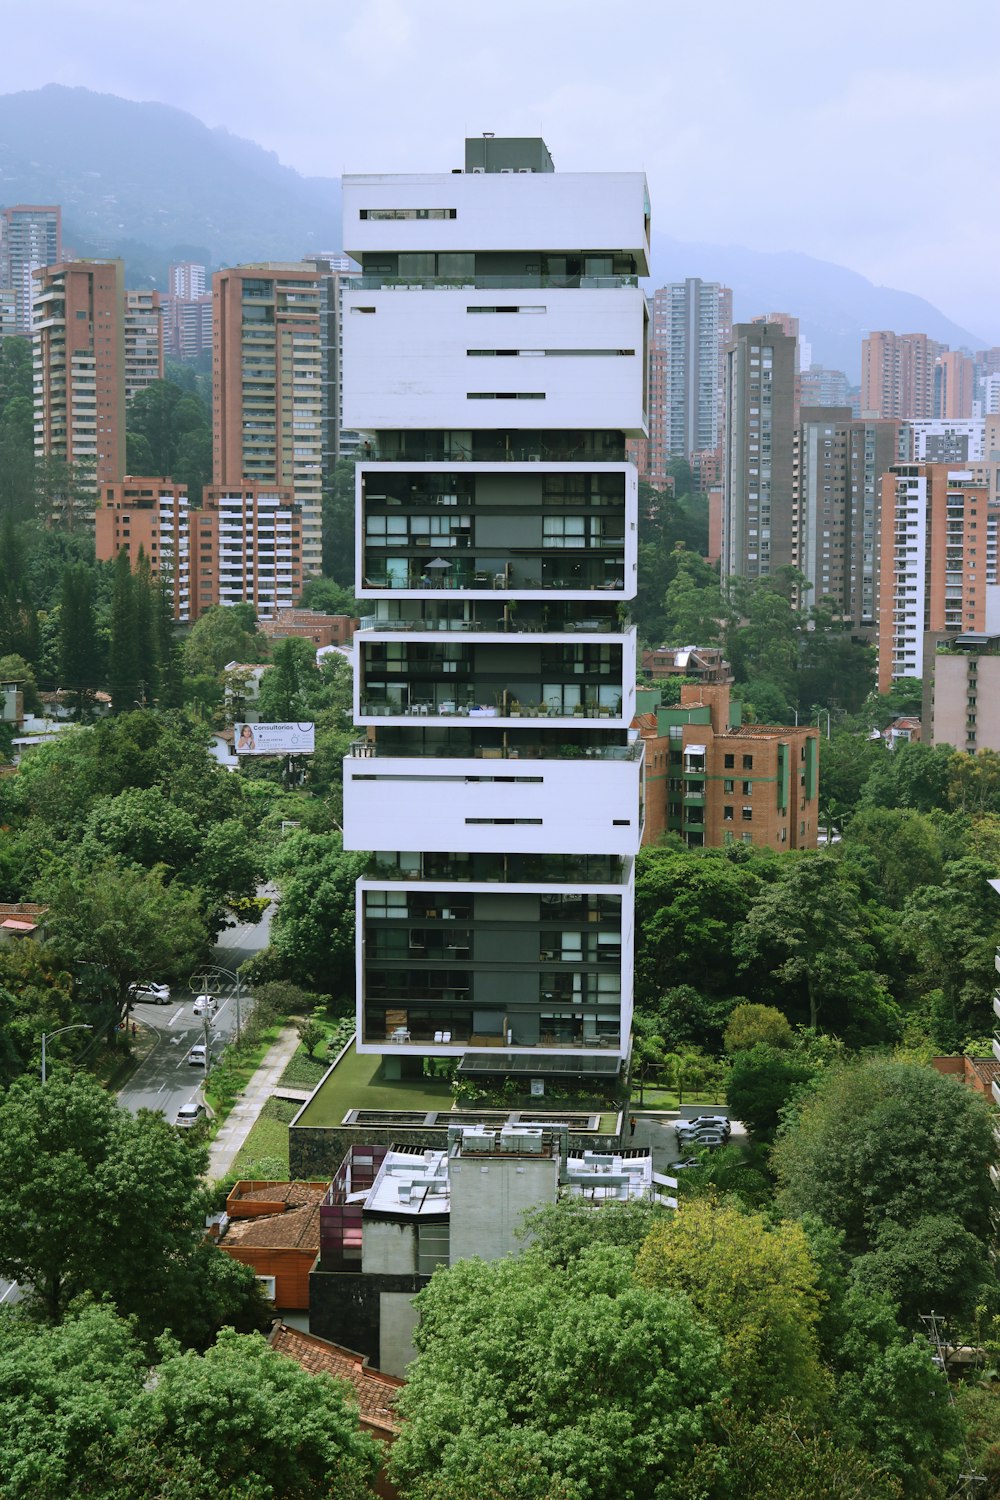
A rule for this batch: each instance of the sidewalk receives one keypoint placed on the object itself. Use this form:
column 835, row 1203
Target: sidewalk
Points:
column 226, row 1146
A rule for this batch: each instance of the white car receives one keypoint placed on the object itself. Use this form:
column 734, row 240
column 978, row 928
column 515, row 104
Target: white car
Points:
column 719, row 1124
column 206, row 1005
column 198, row 1056
column 149, row 993
column 189, row 1114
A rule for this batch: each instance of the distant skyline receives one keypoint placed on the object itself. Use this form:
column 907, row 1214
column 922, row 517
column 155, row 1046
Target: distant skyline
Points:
column 773, row 127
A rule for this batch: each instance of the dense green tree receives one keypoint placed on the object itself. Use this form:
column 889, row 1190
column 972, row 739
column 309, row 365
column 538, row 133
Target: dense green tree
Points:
column 952, row 932
column 749, row 1024
column 784, row 1456
column 18, row 619
column 762, row 636
column 36, row 996
column 915, row 775
column 808, row 931
column 329, row 597
column 894, row 850
column 560, row 1232
column 222, row 635
column 338, row 526
column 604, row 1383
column 312, row 932
column 63, row 1393
column 892, row 1401
column 880, row 1143
column 288, row 687
column 686, row 910
column 692, row 604
column 14, row 668
column 125, row 923
column 130, row 1186
column 847, row 760
column 761, row 1082
column 755, row 1284
column 123, row 659
column 79, row 652
column 84, row 1418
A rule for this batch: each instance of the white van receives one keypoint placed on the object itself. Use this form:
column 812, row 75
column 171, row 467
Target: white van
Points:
column 198, row 1056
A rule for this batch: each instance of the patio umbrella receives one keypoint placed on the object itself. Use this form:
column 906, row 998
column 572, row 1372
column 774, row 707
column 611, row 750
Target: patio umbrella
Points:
column 438, row 562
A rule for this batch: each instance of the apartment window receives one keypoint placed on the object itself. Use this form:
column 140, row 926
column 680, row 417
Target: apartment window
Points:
column 748, row 814
column 748, row 762
column 727, row 815
column 748, row 788
column 730, row 762
column 505, row 395
column 729, row 785
column 408, row 213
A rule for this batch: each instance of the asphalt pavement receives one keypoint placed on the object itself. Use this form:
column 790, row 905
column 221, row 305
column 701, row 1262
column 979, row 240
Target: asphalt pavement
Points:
column 165, row 1079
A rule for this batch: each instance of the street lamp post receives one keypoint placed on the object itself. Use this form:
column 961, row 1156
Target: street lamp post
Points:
column 47, row 1037
column 203, row 981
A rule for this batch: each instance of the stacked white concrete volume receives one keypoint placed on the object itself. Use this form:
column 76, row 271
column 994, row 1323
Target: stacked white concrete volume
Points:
column 494, row 359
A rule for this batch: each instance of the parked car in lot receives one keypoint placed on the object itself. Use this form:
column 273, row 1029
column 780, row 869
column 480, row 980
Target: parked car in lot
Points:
column 718, row 1123
column 206, row 1005
column 198, row 1056
column 189, row 1114
column 680, row 1166
column 148, row 993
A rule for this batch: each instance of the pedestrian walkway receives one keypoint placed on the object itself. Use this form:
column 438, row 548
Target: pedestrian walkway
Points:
column 243, row 1116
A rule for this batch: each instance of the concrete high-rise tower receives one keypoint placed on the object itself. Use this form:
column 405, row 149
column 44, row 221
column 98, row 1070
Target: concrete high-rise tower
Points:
column 79, row 367
column 30, row 237
column 692, row 325
column 494, row 355
column 757, row 521
column 267, row 393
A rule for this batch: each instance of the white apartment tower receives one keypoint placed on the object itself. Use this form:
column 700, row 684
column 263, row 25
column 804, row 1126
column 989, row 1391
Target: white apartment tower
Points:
column 494, row 354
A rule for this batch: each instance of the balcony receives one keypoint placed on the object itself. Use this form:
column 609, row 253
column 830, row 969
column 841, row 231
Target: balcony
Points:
column 520, row 280
column 461, row 1035
column 524, row 749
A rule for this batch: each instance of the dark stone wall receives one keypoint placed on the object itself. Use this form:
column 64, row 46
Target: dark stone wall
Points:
column 344, row 1306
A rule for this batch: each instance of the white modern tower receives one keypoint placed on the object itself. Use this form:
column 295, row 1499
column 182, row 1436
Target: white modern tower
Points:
column 494, row 359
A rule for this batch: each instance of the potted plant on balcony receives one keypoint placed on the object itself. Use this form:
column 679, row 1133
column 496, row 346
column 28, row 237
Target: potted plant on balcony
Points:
column 514, row 709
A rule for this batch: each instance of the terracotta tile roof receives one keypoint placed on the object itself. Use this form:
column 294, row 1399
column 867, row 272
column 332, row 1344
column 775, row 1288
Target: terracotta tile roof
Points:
column 376, row 1393
column 22, row 910
column 986, row 1068
column 644, row 722
column 767, row 731
column 295, row 1194
column 295, row 1229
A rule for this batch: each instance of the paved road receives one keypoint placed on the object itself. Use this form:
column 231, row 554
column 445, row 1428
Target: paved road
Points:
column 166, row 1079
column 10, row 1293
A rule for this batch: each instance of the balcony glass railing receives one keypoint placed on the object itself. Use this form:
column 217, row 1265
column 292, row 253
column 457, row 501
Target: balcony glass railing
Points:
column 524, row 749
column 569, row 571
column 522, row 279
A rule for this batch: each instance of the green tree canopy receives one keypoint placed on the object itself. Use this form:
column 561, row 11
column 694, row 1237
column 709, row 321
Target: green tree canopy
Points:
column 808, row 931
column 82, row 1417
column 749, row 1024
column 130, row 1187
column 883, row 1143
column 755, row 1284
column 605, row 1384
column 123, row 922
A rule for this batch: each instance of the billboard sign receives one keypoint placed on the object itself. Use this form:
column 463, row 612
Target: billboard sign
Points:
column 274, row 739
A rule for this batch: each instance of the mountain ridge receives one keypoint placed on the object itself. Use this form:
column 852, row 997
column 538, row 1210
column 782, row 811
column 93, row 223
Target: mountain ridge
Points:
column 152, row 183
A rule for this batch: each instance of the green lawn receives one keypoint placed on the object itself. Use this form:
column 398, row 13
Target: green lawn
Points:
column 269, row 1136
column 356, row 1083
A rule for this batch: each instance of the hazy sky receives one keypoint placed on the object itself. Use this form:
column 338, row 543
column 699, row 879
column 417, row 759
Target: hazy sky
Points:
column 863, row 132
